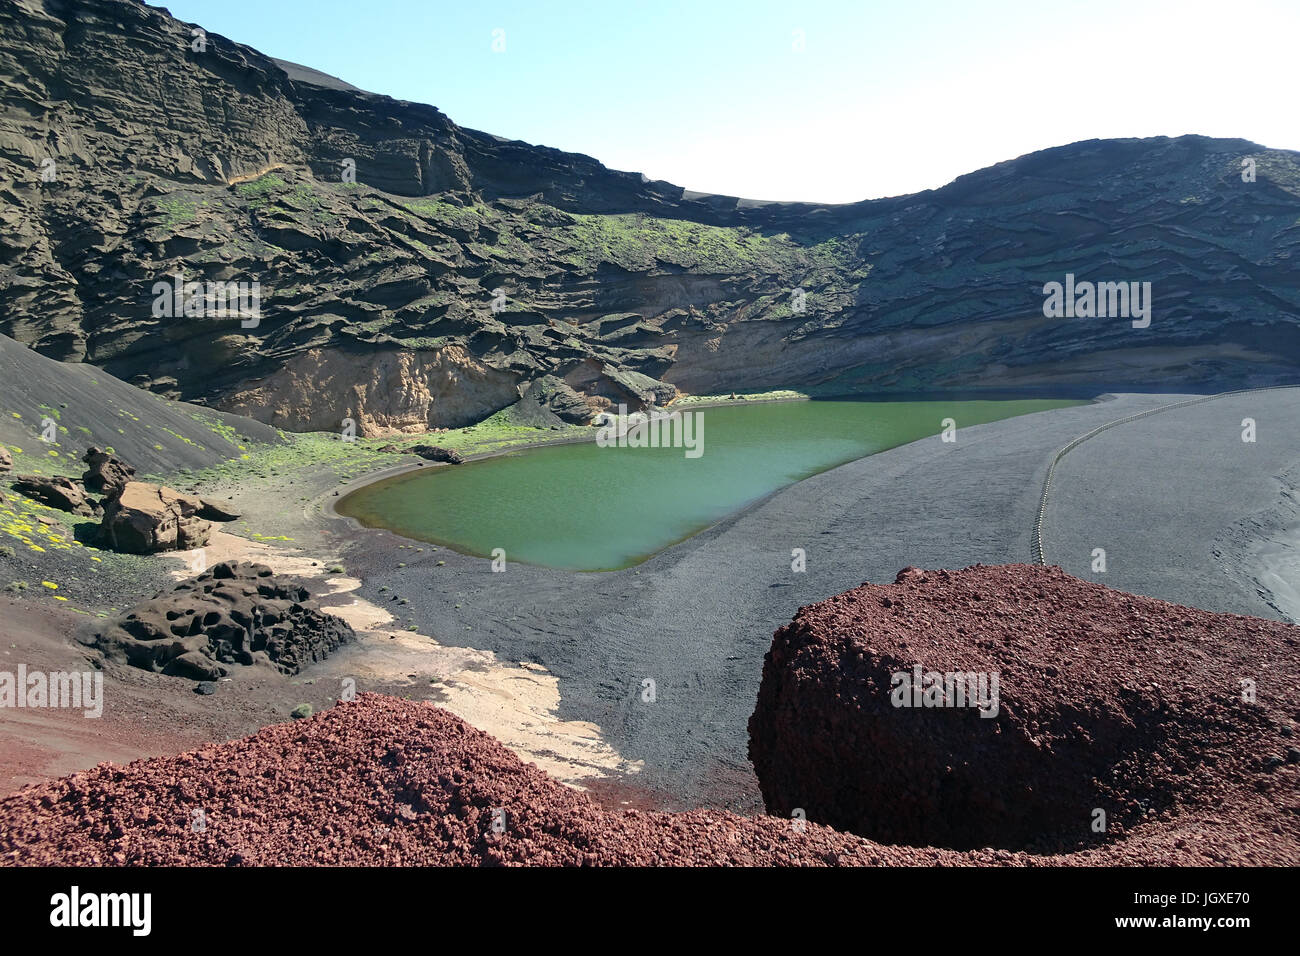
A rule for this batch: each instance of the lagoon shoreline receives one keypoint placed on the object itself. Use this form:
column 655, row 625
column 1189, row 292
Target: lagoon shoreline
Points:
column 406, row 467
column 634, row 508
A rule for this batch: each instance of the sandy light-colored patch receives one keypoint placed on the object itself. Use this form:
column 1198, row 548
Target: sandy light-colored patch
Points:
column 516, row 703
column 1279, row 571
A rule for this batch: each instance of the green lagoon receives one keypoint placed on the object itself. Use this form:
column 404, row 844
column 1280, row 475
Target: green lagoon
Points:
column 584, row 507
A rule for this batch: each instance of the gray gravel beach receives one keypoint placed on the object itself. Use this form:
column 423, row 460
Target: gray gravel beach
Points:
column 1184, row 508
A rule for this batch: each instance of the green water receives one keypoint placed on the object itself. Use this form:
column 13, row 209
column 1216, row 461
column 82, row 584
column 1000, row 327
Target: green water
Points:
column 588, row 508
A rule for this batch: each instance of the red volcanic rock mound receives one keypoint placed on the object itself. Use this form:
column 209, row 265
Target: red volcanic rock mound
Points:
column 1104, row 701
column 381, row 781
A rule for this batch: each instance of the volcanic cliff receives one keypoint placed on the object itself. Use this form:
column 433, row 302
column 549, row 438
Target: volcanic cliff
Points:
column 459, row 267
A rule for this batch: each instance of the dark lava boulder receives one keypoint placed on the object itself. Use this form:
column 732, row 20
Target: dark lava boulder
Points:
column 642, row 390
column 436, row 453
column 236, row 613
column 143, row 518
column 105, row 474
column 1104, row 703
column 57, row 492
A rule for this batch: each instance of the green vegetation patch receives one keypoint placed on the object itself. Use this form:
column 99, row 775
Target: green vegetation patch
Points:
column 258, row 192
column 178, row 211
column 635, row 241
column 466, row 218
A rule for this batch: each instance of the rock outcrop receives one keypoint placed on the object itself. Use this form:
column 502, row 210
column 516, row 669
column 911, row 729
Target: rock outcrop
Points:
column 552, row 401
column 461, row 268
column 1081, row 715
column 6, row 460
column 386, row 391
column 105, row 474
column 214, row 512
column 144, row 518
column 57, row 492
column 236, row 613
column 437, row 453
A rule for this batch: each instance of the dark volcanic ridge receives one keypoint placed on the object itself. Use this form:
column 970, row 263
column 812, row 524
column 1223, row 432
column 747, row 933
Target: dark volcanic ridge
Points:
column 90, row 407
column 385, row 781
column 460, row 268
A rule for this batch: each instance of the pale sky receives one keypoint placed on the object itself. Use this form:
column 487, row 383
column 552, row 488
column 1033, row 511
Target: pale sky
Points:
column 883, row 98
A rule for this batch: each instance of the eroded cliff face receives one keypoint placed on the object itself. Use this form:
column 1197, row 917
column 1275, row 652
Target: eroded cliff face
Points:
column 458, row 262
column 383, row 392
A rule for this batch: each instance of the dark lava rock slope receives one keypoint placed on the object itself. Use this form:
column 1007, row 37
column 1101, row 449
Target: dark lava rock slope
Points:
column 77, row 405
column 460, row 267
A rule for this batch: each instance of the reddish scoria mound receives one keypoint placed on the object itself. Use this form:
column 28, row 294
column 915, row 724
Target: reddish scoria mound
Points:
column 1104, row 701
column 381, row 781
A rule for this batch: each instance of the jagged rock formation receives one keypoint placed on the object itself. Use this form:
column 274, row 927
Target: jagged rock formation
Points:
column 6, row 460
column 141, row 518
column 236, row 613
column 460, row 268
column 105, row 474
column 1109, row 709
column 551, row 401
